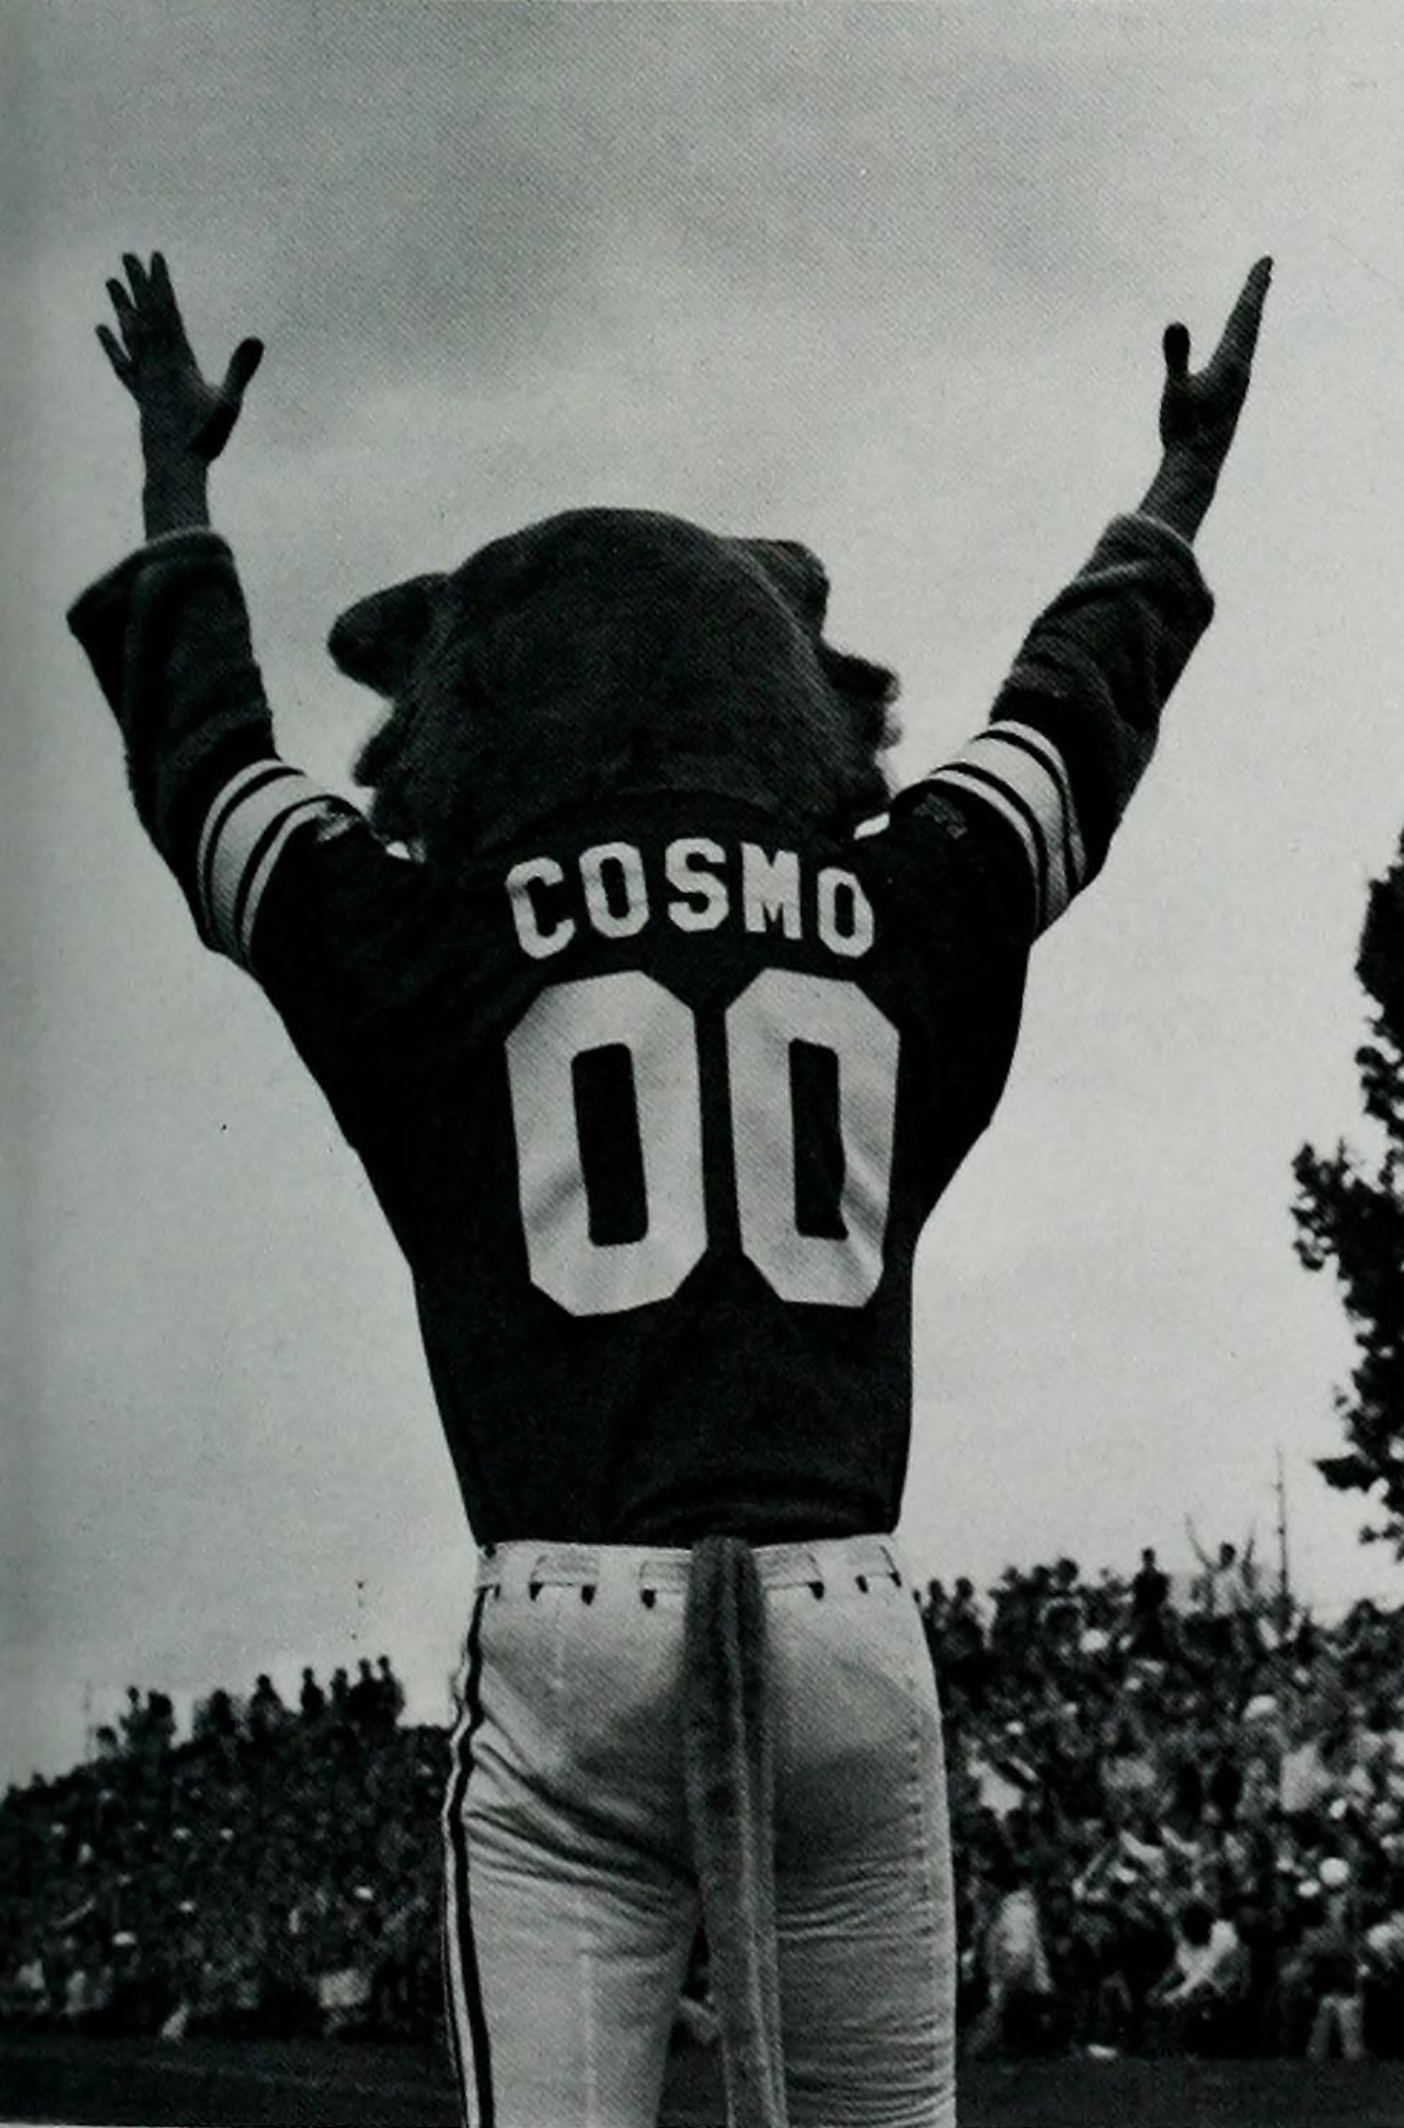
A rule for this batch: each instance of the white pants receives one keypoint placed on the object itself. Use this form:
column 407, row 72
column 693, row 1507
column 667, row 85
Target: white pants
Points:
column 571, row 1901
column 1338, row 2014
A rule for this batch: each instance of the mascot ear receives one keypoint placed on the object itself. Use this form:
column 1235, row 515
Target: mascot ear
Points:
column 868, row 690
column 797, row 574
column 377, row 640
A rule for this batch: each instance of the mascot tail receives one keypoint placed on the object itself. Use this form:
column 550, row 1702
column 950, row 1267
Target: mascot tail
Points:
column 729, row 1794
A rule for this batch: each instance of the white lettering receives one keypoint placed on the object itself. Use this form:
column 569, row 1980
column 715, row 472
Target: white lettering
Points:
column 770, row 888
column 627, row 868
column 613, row 897
column 702, row 902
column 564, row 1023
column 535, row 938
column 772, row 1013
column 839, row 891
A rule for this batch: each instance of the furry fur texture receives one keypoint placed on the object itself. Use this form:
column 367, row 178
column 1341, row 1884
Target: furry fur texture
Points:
column 605, row 650
column 729, row 1792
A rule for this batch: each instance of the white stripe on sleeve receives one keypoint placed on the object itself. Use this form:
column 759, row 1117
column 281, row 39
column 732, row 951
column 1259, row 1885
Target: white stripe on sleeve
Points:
column 1021, row 775
column 245, row 833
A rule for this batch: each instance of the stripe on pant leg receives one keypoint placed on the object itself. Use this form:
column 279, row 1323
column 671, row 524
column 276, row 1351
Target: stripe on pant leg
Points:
column 460, row 2080
column 454, row 2005
column 467, row 2018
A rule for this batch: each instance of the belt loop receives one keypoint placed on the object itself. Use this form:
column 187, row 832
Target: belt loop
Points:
column 658, row 1571
column 892, row 1564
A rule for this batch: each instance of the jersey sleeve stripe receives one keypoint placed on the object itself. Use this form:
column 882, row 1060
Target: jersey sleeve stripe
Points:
column 255, row 777
column 967, row 777
column 259, row 869
column 1042, row 749
column 1021, row 775
column 245, row 833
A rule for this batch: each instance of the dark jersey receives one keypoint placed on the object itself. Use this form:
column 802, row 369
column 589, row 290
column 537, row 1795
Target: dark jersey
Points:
column 658, row 1100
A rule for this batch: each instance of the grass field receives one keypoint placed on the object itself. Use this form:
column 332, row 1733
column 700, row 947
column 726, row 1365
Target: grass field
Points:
column 227, row 2085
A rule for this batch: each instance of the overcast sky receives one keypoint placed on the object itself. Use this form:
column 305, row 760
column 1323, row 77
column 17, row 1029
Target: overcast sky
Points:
column 887, row 279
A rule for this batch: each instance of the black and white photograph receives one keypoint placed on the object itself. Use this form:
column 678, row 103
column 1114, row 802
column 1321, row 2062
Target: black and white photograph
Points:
column 704, row 1069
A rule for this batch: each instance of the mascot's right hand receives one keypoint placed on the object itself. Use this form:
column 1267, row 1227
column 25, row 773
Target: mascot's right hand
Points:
column 183, row 415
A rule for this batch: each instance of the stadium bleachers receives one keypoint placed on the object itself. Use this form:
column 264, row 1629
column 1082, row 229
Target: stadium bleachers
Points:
column 1179, row 1829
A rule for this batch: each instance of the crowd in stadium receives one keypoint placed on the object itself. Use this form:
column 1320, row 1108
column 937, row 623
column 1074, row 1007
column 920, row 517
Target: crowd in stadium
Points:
column 1179, row 1827
column 274, row 1873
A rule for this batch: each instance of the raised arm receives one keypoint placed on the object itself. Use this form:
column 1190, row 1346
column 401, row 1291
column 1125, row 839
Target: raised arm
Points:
column 1199, row 410
column 167, row 633
column 185, row 420
column 1075, row 724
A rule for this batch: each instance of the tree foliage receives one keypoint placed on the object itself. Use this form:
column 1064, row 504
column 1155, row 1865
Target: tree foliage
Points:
column 1350, row 1218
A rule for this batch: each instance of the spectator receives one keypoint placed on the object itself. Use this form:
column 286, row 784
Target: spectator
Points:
column 133, row 1720
column 216, row 1718
column 312, row 1700
column 961, row 1650
column 1327, row 1974
column 1150, row 1593
column 24, row 1991
column 1194, row 2001
column 1019, row 2009
column 1213, row 1589
column 1064, row 1606
column 266, row 1712
column 88, row 1986
column 1382, row 1974
column 392, row 1693
column 363, row 1701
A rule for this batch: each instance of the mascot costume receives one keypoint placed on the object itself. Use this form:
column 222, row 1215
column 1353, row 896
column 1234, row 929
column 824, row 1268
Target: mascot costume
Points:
column 660, row 1024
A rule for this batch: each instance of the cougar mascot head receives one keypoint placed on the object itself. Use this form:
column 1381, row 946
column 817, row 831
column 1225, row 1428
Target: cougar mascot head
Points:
column 610, row 650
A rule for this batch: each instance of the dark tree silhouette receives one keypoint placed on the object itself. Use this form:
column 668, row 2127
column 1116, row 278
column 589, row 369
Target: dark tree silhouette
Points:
column 1350, row 1218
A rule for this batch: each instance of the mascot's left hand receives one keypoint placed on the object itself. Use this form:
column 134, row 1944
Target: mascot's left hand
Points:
column 1199, row 410
column 183, row 415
